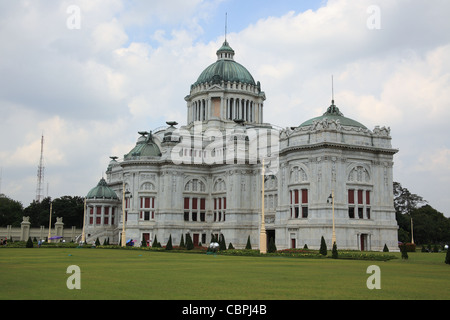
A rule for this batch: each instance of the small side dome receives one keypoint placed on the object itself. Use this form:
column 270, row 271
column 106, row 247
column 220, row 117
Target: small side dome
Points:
column 145, row 147
column 102, row 191
column 333, row 113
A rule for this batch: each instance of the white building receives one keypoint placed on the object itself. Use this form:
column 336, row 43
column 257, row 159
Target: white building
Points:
column 205, row 178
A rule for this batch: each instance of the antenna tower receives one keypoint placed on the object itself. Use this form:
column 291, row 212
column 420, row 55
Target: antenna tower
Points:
column 40, row 174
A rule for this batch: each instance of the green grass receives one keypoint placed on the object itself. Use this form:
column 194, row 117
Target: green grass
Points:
column 40, row 273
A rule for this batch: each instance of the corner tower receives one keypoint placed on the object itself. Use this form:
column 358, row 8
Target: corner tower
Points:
column 225, row 91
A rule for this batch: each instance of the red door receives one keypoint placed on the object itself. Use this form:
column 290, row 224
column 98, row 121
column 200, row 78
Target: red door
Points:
column 195, row 240
column 363, row 240
column 146, row 238
column 293, row 243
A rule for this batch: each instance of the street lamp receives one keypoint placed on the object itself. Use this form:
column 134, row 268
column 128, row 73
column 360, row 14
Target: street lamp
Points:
column 262, row 232
column 127, row 194
column 331, row 199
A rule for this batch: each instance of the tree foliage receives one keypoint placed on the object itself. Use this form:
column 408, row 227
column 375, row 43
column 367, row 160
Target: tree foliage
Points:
column 11, row 212
column 67, row 207
column 429, row 225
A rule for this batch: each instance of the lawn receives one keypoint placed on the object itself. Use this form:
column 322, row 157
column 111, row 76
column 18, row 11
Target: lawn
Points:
column 40, row 273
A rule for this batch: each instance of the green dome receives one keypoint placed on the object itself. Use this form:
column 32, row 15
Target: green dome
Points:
column 145, row 147
column 102, row 191
column 333, row 113
column 225, row 69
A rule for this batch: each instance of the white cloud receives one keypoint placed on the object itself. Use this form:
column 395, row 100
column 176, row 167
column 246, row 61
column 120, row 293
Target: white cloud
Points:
column 131, row 64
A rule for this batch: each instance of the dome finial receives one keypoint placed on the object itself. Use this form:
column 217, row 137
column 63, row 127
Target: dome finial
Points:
column 332, row 90
column 226, row 25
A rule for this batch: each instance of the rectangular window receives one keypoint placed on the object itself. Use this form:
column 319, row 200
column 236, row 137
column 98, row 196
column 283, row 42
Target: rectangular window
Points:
column 194, row 203
column 186, row 203
column 304, row 212
column 368, row 213
column 304, row 196
column 351, row 212
column 296, row 196
column 202, row 216
column 351, row 196
column 360, row 213
column 360, row 196
column 368, row 197
column 202, row 204
column 186, row 216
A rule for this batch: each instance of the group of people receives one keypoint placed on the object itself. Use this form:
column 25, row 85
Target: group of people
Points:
column 3, row 242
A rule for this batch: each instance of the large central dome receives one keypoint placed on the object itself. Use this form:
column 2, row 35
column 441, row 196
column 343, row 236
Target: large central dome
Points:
column 225, row 69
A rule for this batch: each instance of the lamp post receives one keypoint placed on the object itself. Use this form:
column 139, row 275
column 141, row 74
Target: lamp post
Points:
column 262, row 233
column 50, row 223
column 331, row 199
column 83, row 234
column 124, row 193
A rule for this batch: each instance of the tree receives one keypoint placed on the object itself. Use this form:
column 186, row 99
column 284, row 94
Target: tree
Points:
column 169, row 244
column 39, row 213
column 249, row 245
column 430, row 225
column 404, row 200
column 385, row 249
column 323, row 247
column 11, row 212
column 230, row 246
column 70, row 209
column 447, row 256
column 334, row 252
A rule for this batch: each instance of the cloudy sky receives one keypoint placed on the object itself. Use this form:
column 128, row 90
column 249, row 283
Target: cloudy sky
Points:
column 90, row 84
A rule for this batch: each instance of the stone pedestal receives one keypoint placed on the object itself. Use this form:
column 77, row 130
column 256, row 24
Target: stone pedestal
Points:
column 25, row 229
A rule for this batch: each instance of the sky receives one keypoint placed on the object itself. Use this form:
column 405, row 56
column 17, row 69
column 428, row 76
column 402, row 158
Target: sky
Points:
column 90, row 74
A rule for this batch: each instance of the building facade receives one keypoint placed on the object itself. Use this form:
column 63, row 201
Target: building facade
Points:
column 329, row 175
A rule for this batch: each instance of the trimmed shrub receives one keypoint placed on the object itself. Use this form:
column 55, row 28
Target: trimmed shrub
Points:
column 189, row 243
column 222, row 244
column 334, row 252
column 182, row 245
column 169, row 244
column 323, row 247
column 385, row 249
column 249, row 245
column 29, row 243
column 409, row 247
